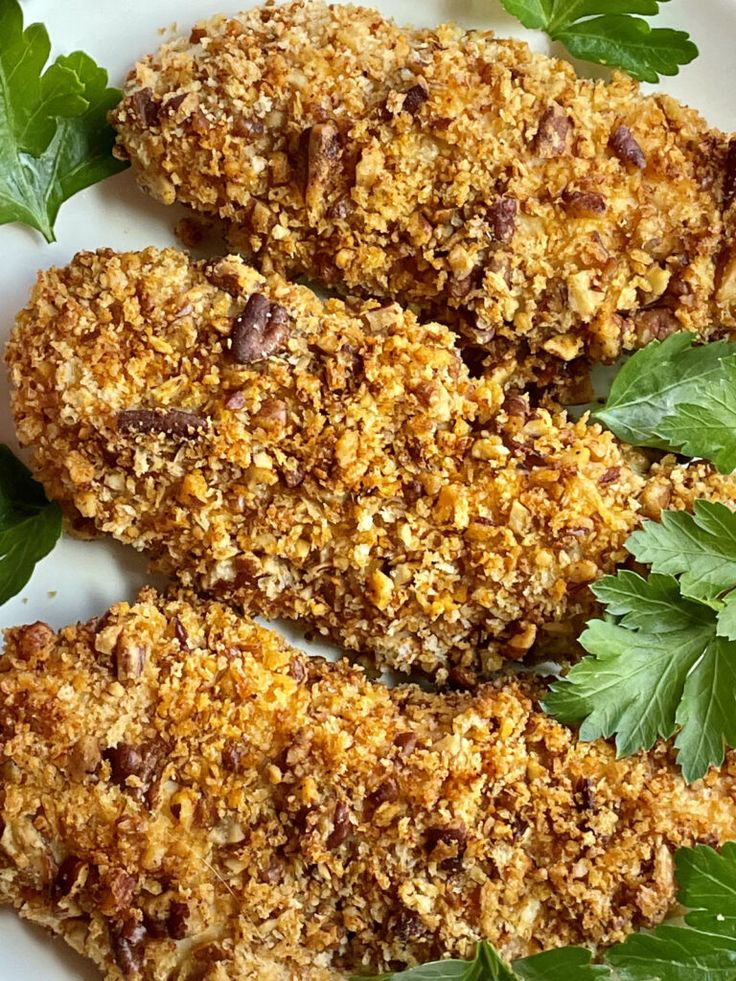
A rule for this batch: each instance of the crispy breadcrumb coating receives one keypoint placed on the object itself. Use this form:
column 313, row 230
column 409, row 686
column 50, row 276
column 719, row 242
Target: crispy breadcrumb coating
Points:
column 183, row 795
column 352, row 475
column 466, row 174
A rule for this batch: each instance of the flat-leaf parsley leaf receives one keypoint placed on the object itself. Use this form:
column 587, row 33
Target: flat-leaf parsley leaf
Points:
column 665, row 660
column 29, row 524
column 54, row 135
column 674, row 396
column 568, row 963
column 700, row 548
column 607, row 32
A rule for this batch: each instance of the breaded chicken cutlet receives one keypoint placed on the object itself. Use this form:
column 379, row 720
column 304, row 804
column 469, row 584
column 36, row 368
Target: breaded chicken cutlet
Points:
column 304, row 461
column 183, row 795
column 539, row 211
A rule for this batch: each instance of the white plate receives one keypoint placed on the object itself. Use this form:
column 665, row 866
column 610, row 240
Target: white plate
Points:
column 80, row 579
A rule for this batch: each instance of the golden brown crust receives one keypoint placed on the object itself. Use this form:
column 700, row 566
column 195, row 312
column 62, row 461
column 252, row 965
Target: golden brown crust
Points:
column 184, row 794
column 467, row 174
column 355, row 477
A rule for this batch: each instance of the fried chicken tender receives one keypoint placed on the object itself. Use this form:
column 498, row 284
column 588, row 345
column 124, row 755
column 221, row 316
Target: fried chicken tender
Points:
column 538, row 211
column 304, row 461
column 183, row 795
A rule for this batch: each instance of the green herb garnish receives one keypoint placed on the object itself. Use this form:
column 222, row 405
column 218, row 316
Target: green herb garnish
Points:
column 607, row 33
column 704, row 949
column 665, row 660
column 54, row 136
column 565, row 964
column 701, row 948
column 674, row 396
column 29, row 524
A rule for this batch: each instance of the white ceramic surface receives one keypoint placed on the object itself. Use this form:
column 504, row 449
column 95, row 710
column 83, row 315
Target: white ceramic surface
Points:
column 80, row 579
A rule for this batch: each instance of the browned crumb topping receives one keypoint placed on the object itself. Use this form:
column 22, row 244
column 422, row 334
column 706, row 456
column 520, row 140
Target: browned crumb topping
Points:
column 464, row 173
column 309, row 462
column 183, row 795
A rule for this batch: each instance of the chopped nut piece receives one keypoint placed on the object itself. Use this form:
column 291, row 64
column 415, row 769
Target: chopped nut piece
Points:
column 655, row 324
column 726, row 278
column 626, row 148
column 143, row 763
column 128, row 944
column 181, row 634
column 272, row 414
column 729, row 175
column 146, row 108
column 655, row 499
column 414, row 99
column 502, row 216
column 130, row 658
column 199, row 123
column 582, row 571
column 341, row 827
column 519, row 518
column 386, row 792
column 116, row 892
column 175, row 102
column 321, row 146
column 69, row 874
column 177, row 920
column 35, row 639
column 517, row 405
column 524, row 640
column 552, row 137
column 381, row 589
column 297, row 670
column 85, row 757
column 259, row 331
column 248, row 127
column 584, row 203
column 406, row 741
column 167, row 422
column 233, row 756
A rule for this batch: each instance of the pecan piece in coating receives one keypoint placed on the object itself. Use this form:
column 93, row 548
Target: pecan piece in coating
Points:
column 582, row 204
column 341, row 827
column 554, row 131
column 259, row 331
column 167, row 422
column 627, row 148
column 128, row 944
column 502, row 215
column 414, row 99
column 729, row 175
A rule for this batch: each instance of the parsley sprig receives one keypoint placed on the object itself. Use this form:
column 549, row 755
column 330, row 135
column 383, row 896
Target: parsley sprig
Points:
column 54, row 135
column 664, row 660
column 700, row 948
column 568, row 963
column 673, row 395
column 29, row 524
column 606, row 33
